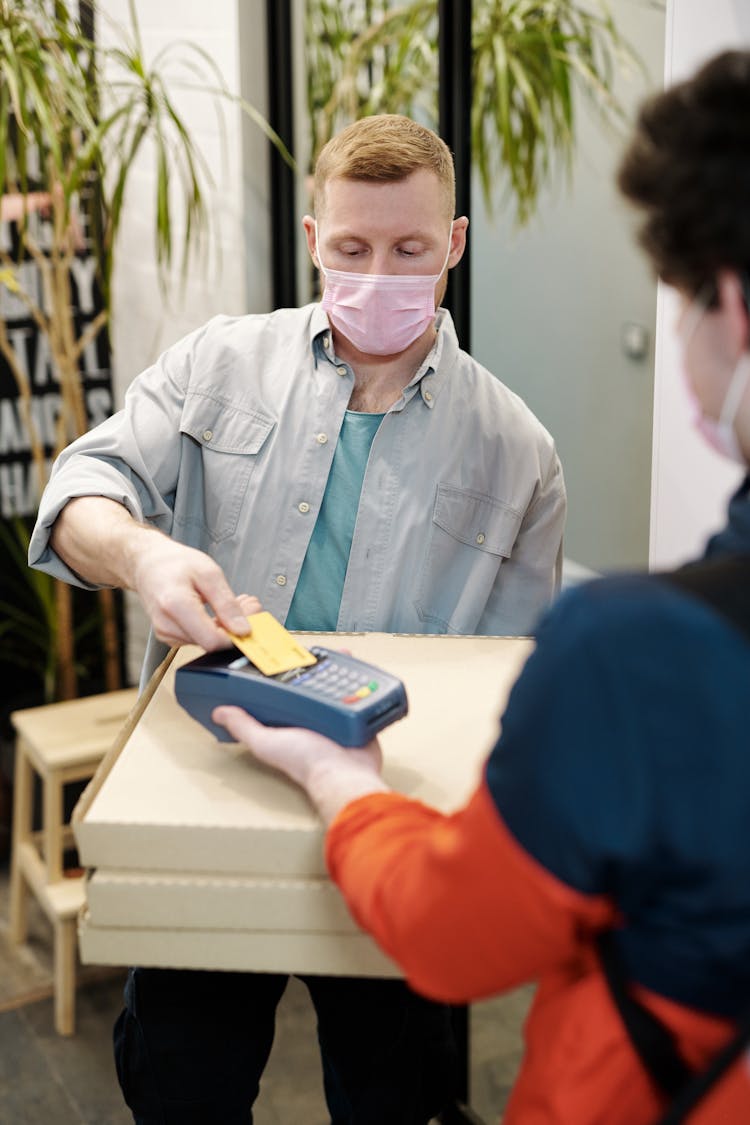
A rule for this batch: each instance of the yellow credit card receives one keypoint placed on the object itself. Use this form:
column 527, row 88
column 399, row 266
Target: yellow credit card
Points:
column 270, row 647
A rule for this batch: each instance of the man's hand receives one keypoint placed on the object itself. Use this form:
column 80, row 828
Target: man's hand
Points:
column 176, row 583
column 330, row 774
column 101, row 542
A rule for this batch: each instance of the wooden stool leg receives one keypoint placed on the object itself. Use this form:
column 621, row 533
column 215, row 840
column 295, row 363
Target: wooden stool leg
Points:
column 53, row 828
column 22, row 813
column 65, row 976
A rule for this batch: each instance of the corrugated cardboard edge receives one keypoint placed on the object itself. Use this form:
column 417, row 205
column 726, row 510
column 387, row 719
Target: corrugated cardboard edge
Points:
column 278, row 951
column 136, row 899
column 87, row 797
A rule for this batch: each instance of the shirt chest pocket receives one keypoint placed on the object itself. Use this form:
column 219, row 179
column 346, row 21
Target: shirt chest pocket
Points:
column 470, row 536
column 222, row 453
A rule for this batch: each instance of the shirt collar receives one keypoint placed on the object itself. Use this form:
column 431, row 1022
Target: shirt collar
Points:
column 321, row 340
column 431, row 376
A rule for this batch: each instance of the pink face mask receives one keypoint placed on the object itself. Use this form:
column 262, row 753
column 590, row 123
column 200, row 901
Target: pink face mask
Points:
column 381, row 314
column 719, row 433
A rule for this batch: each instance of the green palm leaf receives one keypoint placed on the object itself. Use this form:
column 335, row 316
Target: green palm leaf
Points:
column 528, row 59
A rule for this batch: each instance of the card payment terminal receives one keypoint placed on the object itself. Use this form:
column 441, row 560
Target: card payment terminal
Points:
column 339, row 696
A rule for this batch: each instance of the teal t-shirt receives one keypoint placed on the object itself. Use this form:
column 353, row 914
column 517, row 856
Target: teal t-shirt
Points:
column 315, row 605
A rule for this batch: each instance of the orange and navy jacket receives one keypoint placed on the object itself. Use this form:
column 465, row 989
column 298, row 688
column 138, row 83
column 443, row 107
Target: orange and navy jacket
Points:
column 617, row 796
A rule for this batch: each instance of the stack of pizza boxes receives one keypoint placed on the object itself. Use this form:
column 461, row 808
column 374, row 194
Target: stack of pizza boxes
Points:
column 199, row 857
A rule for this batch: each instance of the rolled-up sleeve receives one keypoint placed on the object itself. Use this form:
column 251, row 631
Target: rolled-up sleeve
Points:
column 132, row 458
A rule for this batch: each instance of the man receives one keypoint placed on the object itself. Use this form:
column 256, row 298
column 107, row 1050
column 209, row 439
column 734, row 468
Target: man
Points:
column 351, row 467
column 606, row 852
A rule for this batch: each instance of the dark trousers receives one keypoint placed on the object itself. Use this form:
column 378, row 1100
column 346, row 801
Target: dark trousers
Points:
column 190, row 1047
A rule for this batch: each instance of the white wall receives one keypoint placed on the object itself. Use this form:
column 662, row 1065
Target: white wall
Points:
column 145, row 319
column 550, row 306
column 234, row 276
column 691, row 484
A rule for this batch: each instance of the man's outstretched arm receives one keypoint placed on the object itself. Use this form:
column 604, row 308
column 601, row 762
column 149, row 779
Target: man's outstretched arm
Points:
column 101, row 542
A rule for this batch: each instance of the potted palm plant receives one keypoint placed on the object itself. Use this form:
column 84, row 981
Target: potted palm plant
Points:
column 528, row 58
column 75, row 117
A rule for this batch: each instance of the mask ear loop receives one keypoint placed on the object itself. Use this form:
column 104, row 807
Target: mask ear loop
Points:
column 742, row 371
column 741, row 376
column 322, row 268
column 699, row 305
column 448, row 253
column 736, row 390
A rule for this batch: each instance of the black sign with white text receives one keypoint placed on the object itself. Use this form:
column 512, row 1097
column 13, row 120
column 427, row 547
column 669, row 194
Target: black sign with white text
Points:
column 19, row 484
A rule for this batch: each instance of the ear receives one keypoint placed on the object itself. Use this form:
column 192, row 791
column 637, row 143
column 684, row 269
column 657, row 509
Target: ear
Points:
column 458, row 241
column 308, row 222
column 734, row 309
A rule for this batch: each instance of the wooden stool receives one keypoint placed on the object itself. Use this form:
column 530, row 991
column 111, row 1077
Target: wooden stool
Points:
column 62, row 743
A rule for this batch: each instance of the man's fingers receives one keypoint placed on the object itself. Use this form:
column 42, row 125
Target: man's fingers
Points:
column 249, row 604
column 186, row 595
column 189, row 623
column 215, row 591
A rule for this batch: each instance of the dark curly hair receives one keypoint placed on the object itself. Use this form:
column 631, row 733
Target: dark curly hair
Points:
column 687, row 168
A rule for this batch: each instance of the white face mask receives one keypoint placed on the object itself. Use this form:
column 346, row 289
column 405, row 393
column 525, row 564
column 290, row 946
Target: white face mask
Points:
column 719, row 433
column 381, row 314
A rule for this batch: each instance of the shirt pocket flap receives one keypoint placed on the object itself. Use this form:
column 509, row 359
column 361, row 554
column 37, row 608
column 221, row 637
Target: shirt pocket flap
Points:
column 477, row 519
column 224, row 426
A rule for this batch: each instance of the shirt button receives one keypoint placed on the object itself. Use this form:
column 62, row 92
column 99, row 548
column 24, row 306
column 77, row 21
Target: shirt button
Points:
column 304, row 507
column 281, row 580
column 342, row 370
column 322, row 439
column 326, row 341
column 480, row 538
column 207, row 435
column 427, row 396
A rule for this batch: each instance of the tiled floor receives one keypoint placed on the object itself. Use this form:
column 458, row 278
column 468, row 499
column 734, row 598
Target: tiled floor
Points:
column 48, row 1080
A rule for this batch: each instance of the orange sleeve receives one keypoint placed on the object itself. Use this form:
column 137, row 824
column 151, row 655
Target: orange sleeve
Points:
column 455, row 900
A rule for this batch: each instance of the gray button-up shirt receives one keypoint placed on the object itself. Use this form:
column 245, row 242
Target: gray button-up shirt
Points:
column 226, row 442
